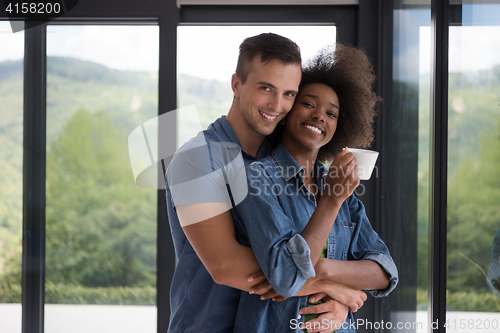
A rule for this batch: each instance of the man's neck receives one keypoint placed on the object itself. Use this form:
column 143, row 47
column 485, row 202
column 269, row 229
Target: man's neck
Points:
column 249, row 139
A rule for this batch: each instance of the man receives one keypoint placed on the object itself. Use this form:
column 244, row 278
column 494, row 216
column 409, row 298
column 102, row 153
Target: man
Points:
column 204, row 183
column 265, row 84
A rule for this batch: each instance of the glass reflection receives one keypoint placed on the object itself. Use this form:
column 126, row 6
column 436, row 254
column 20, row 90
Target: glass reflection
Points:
column 407, row 164
column 474, row 176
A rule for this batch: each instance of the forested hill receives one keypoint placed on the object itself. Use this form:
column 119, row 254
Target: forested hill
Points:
column 125, row 94
column 79, row 71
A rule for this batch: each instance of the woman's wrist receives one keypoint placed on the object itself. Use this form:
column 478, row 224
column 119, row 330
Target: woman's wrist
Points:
column 331, row 203
column 322, row 268
column 327, row 287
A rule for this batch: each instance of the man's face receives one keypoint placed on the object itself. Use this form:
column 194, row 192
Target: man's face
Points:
column 268, row 93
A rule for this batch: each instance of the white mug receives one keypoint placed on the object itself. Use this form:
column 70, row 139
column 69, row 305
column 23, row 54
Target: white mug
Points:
column 366, row 160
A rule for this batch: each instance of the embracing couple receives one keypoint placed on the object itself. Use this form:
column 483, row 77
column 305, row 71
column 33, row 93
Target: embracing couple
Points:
column 254, row 258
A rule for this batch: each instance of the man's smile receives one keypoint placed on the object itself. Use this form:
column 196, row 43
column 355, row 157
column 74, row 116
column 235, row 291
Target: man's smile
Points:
column 268, row 116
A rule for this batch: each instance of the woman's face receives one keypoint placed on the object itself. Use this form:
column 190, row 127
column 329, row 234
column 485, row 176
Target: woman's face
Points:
column 313, row 119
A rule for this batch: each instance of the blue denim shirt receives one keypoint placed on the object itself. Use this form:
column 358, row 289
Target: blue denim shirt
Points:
column 493, row 276
column 197, row 303
column 276, row 210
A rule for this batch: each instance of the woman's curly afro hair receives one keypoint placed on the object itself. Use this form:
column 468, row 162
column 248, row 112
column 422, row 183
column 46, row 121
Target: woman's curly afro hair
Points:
column 348, row 71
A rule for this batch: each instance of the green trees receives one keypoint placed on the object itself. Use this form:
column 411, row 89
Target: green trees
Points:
column 101, row 227
column 11, row 178
column 473, row 178
column 474, row 215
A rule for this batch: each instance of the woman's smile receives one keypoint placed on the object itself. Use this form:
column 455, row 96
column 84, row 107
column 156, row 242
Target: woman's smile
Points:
column 313, row 119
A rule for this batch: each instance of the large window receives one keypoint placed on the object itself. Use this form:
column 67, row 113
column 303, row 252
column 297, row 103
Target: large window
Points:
column 102, row 82
column 473, row 128
column 405, row 168
column 473, row 259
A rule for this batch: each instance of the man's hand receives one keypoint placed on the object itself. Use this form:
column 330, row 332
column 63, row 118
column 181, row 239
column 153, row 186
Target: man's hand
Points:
column 332, row 314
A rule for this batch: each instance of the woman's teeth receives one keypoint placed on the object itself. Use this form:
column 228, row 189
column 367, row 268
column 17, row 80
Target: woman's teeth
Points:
column 314, row 129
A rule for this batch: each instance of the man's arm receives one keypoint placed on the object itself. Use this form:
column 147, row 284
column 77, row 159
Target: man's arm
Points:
column 198, row 201
column 228, row 262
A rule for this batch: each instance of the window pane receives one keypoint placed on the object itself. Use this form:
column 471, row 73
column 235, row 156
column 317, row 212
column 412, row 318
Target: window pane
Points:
column 102, row 82
column 11, row 177
column 406, row 154
column 473, row 273
column 205, row 81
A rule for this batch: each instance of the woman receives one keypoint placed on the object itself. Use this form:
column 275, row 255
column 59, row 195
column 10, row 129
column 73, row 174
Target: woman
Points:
column 292, row 203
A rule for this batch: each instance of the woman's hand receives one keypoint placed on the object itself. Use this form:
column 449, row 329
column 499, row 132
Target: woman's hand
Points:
column 342, row 177
column 263, row 287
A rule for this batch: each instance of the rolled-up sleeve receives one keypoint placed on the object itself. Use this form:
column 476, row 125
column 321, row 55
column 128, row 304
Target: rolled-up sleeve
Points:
column 386, row 262
column 367, row 244
column 301, row 255
column 281, row 251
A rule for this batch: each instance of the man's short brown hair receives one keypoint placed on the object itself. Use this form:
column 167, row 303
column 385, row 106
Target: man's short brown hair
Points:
column 269, row 46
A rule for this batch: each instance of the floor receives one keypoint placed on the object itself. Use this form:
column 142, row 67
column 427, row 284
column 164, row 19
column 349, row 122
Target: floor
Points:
column 62, row 318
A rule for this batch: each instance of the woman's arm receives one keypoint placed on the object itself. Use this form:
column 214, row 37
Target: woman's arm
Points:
column 286, row 251
column 330, row 273
column 230, row 263
column 341, row 181
column 359, row 274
